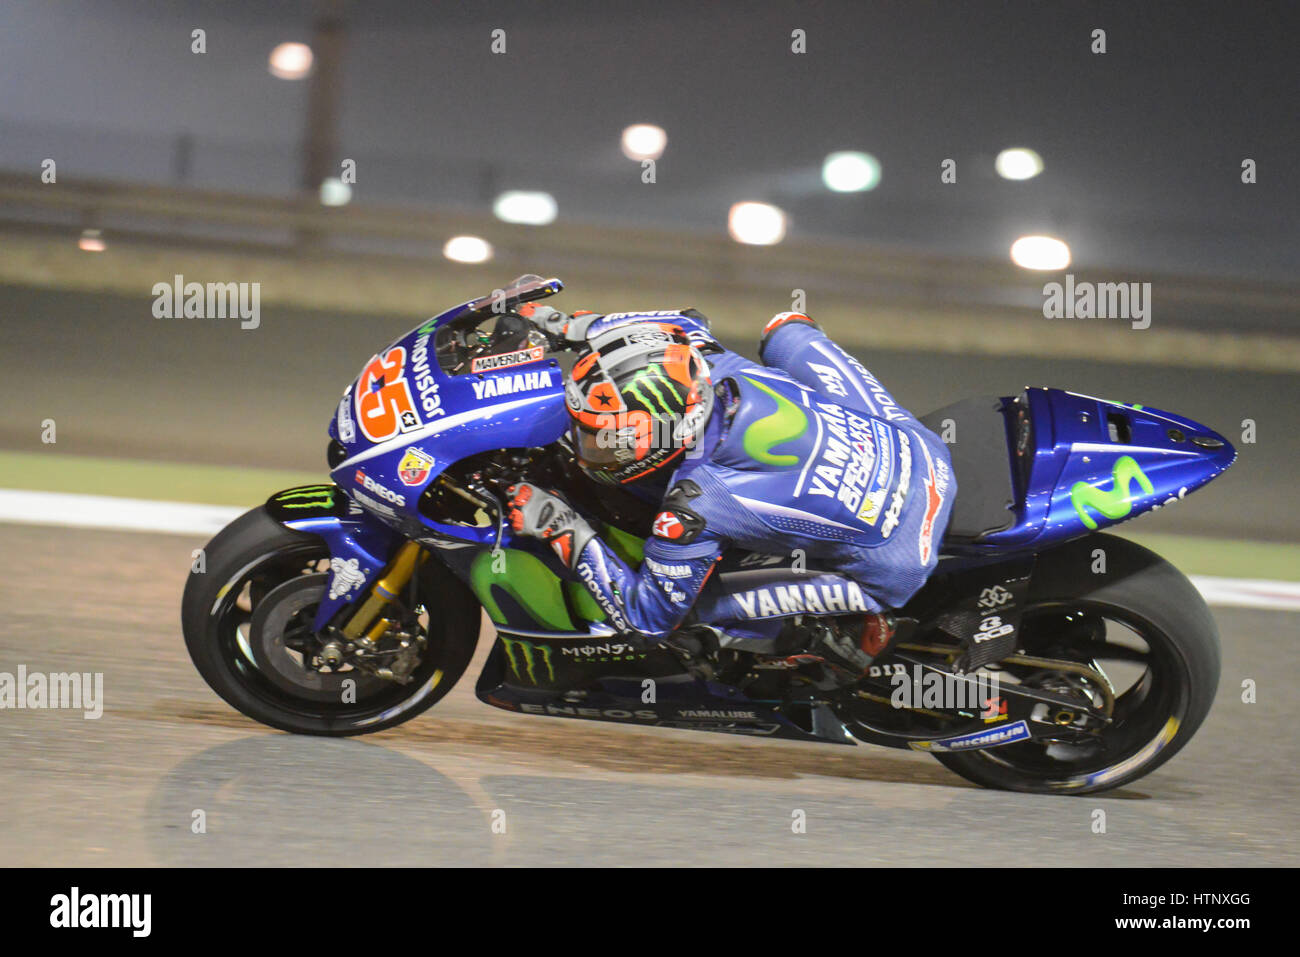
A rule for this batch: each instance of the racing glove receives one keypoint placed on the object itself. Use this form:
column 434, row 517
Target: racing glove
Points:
column 537, row 513
column 550, row 321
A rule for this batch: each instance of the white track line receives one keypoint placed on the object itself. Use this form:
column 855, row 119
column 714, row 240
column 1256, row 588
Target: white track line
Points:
column 1249, row 592
column 143, row 515
column 122, row 514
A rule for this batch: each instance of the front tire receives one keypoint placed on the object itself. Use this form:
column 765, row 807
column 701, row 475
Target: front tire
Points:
column 1140, row 593
column 261, row 582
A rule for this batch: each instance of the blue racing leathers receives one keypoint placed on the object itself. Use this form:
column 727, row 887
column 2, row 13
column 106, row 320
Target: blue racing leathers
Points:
column 805, row 456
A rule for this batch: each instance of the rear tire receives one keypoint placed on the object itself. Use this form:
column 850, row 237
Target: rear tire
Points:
column 252, row 557
column 1156, row 601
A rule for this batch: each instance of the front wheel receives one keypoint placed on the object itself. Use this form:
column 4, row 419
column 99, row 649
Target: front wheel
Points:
column 247, row 621
column 1144, row 627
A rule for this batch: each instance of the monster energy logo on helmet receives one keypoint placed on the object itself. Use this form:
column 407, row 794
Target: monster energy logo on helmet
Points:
column 641, row 396
column 655, row 392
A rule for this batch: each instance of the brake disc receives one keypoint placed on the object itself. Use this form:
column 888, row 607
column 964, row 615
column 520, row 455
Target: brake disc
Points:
column 289, row 604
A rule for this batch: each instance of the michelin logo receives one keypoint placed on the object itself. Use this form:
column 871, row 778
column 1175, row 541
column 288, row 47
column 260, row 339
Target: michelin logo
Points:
column 979, row 739
column 347, row 576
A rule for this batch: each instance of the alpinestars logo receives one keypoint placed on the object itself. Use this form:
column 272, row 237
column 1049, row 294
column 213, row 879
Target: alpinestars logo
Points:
column 667, row 525
column 894, row 515
column 800, row 599
column 936, row 488
column 510, row 384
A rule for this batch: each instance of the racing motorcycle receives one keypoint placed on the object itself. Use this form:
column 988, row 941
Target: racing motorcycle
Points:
column 1042, row 655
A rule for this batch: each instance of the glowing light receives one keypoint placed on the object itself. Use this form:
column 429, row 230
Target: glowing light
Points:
column 644, row 141
column 91, row 241
column 519, row 206
column 290, row 61
column 467, row 249
column 849, row 172
column 335, row 192
column 756, row 224
column 1018, row 163
column 1040, row 252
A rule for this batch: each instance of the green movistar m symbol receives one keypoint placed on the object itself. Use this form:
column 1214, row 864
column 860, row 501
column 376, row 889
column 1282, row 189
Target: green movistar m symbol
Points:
column 787, row 423
column 1116, row 503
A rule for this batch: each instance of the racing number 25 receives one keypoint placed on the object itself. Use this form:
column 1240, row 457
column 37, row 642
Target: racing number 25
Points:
column 384, row 404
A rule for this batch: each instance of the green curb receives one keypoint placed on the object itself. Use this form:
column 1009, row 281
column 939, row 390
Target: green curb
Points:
column 1226, row 557
column 129, row 478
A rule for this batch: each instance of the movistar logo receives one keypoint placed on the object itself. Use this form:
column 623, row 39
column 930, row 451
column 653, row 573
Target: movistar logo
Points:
column 524, row 657
column 1116, row 503
column 654, row 389
column 787, row 423
column 310, row 496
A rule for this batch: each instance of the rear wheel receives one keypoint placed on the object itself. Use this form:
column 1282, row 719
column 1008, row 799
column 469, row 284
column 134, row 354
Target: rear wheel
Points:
column 247, row 621
column 1145, row 628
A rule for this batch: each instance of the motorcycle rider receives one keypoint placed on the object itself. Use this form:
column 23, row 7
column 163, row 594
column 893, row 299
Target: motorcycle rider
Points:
column 805, row 455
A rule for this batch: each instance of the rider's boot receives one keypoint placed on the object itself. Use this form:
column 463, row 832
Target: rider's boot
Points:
column 852, row 643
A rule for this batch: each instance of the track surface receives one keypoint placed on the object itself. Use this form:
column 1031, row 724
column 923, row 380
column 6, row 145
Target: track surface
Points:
column 122, row 790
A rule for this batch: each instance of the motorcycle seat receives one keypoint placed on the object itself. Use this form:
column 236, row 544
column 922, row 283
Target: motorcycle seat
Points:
column 981, row 462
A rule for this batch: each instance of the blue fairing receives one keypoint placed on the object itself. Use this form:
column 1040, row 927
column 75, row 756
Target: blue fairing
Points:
column 1083, row 463
column 404, row 420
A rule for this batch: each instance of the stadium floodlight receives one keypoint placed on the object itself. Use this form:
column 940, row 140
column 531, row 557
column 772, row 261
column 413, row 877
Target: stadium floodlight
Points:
column 643, row 141
column 756, row 224
column 522, row 206
column 91, row 241
column 334, row 192
column 290, row 61
column 1018, row 163
column 850, row 172
column 1040, row 252
column 467, row 249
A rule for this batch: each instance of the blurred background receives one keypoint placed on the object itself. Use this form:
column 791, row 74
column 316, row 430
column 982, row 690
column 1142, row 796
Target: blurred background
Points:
column 911, row 174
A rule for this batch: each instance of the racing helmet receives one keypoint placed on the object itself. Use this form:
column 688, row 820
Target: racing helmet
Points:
column 639, row 396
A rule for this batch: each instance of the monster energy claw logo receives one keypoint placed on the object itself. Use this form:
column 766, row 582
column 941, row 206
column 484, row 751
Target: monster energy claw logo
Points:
column 524, row 656
column 646, row 389
column 310, row 496
column 1116, row 503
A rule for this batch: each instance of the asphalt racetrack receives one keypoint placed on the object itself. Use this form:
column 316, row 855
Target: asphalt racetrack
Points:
column 124, row 789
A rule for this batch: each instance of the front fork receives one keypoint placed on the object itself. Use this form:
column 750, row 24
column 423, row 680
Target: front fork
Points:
column 357, row 545
column 368, row 620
